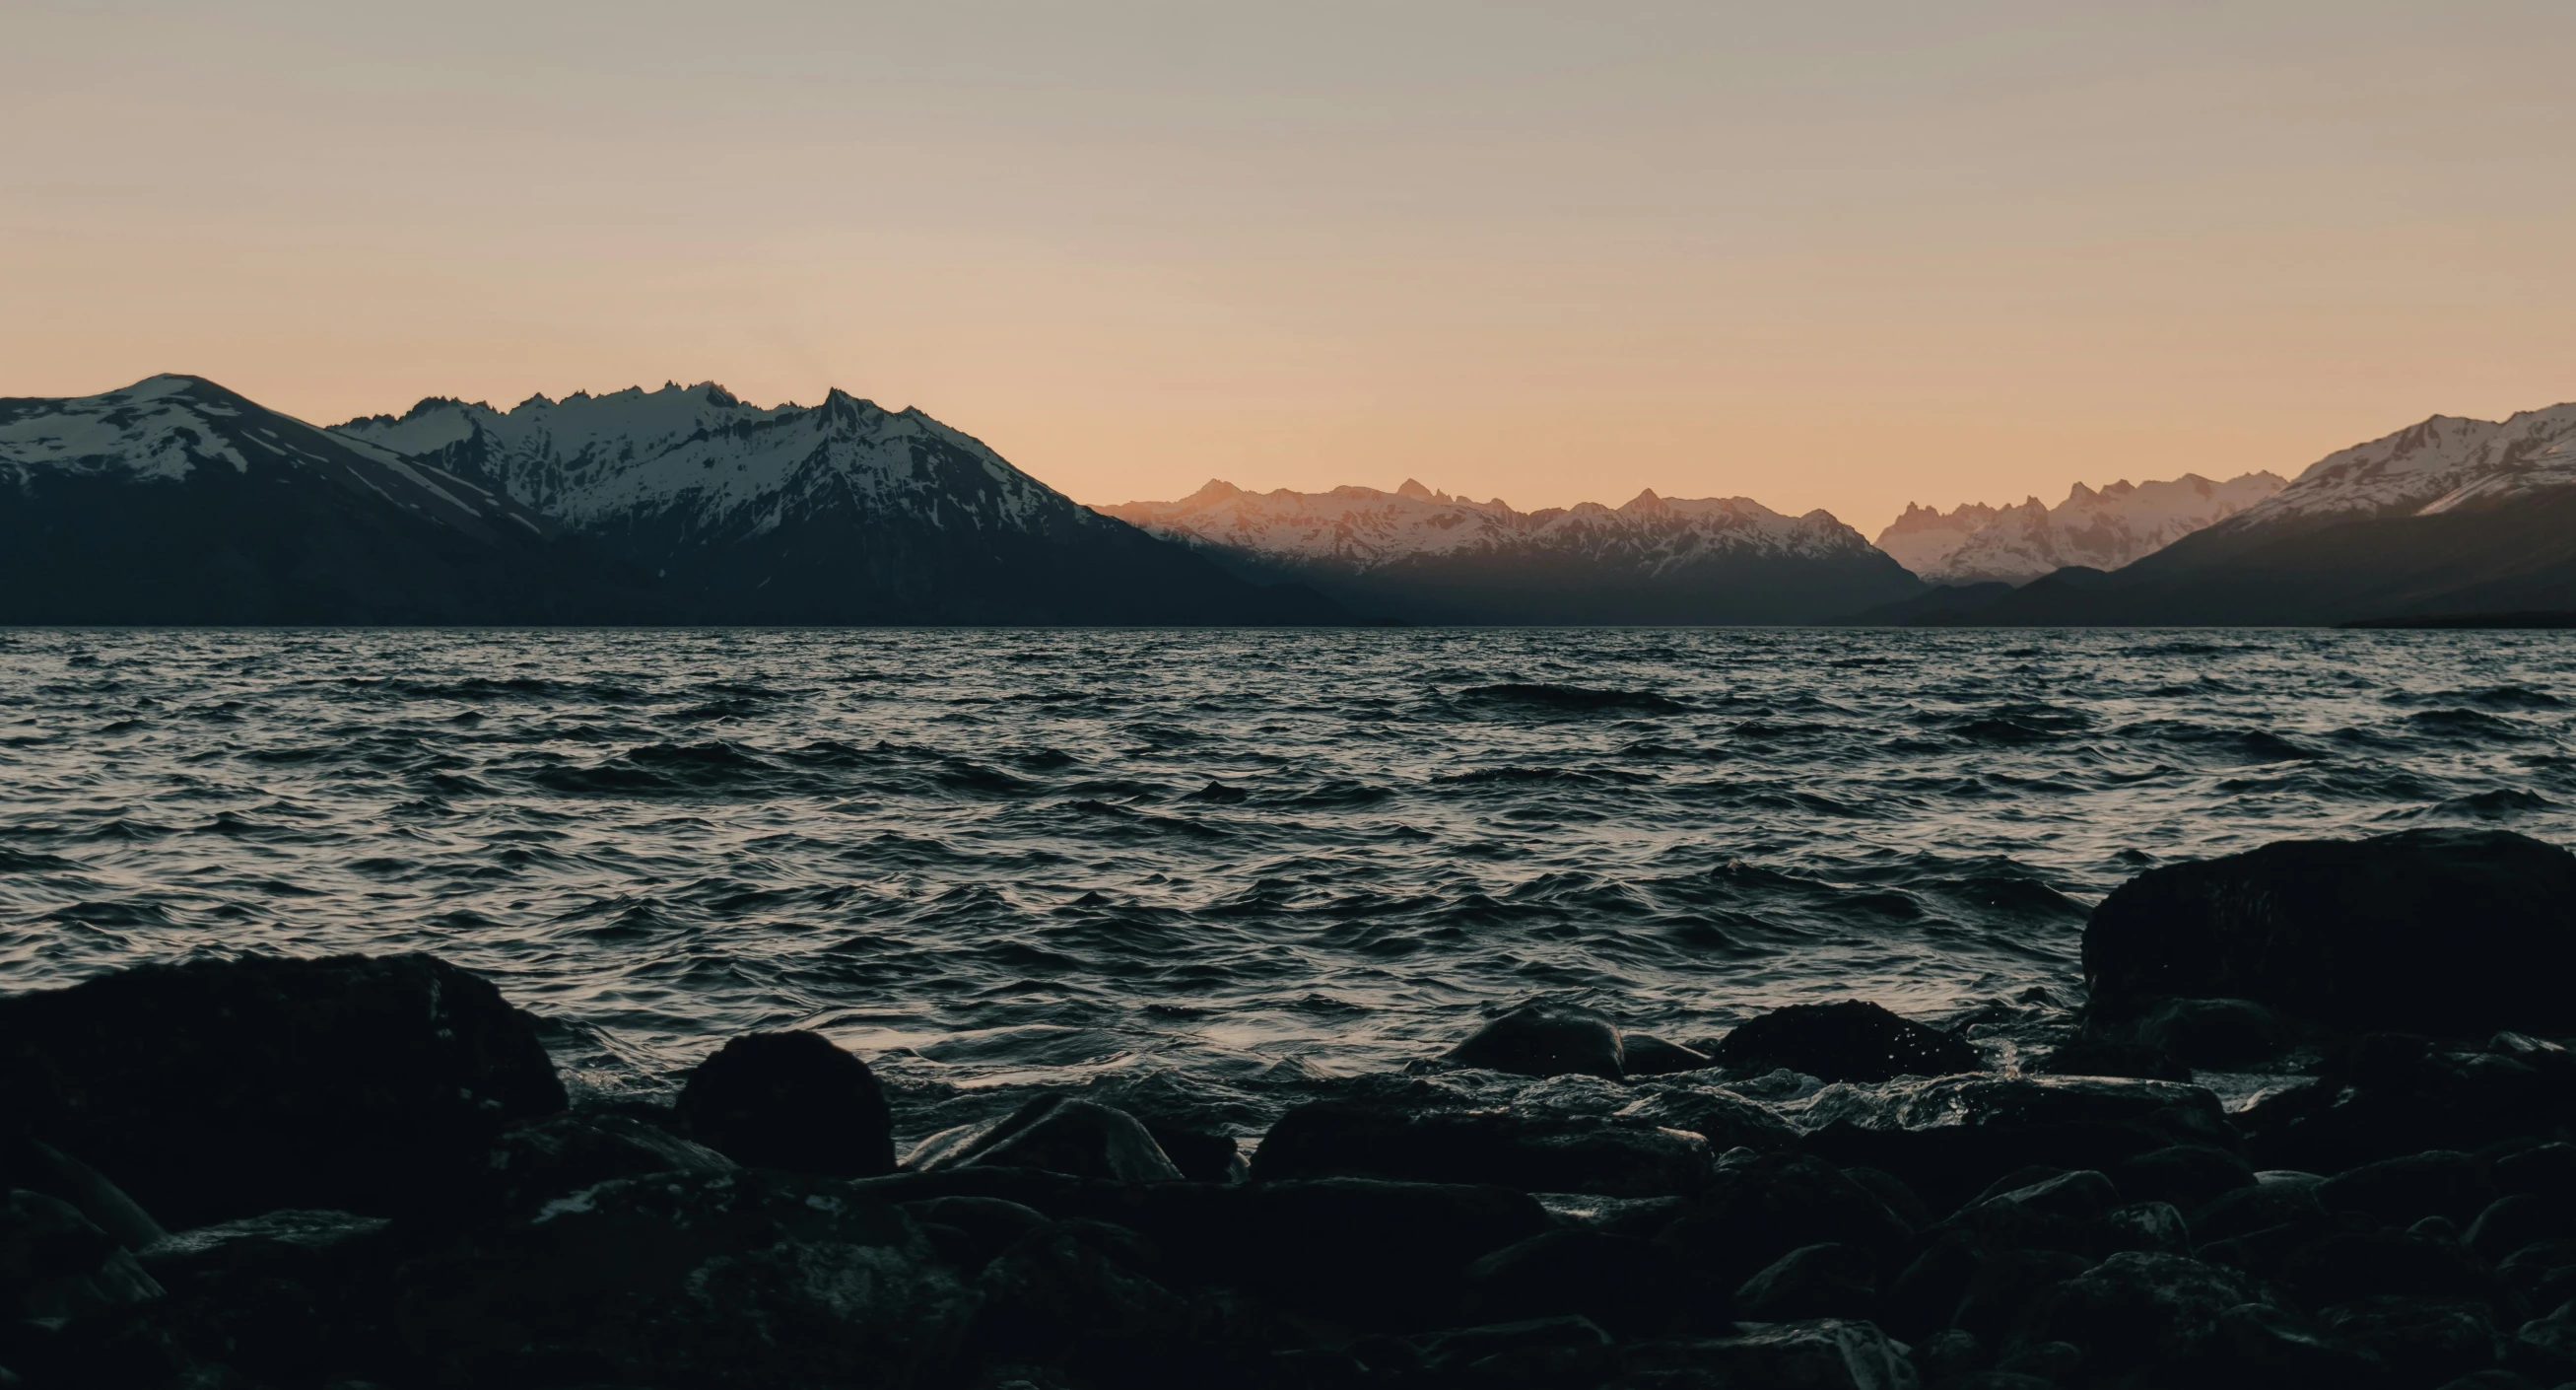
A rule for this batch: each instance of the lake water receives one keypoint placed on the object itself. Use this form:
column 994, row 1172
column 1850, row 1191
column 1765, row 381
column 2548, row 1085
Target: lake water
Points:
column 1222, row 863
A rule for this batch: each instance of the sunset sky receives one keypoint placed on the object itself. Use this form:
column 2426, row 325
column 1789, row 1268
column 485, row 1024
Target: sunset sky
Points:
column 1838, row 255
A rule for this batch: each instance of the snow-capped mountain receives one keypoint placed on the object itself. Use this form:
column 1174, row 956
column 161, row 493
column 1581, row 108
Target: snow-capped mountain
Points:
column 2105, row 529
column 2449, row 516
column 838, row 512
column 176, row 500
column 1426, row 556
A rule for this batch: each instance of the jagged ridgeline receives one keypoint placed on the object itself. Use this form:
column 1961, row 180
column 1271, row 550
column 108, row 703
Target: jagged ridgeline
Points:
column 177, row 501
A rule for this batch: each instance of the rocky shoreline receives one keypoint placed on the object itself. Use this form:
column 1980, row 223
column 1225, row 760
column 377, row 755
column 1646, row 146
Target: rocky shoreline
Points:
column 364, row 1171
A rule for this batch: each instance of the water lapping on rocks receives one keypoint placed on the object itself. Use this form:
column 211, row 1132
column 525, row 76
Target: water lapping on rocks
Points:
column 1231, row 864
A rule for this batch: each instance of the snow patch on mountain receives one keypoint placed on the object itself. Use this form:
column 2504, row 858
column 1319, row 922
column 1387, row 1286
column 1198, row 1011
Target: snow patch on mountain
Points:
column 1362, row 528
column 2444, row 464
column 2102, row 528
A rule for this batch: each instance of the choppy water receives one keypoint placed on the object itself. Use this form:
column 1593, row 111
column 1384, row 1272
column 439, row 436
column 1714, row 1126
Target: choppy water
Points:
column 1002, row 858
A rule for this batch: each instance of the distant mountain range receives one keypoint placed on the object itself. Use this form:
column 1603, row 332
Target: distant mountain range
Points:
column 2446, row 518
column 1426, row 557
column 1978, row 544
column 177, row 501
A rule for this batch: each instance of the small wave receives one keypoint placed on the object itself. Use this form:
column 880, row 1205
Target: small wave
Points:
column 664, row 769
column 1573, row 699
column 1523, row 776
column 2467, row 721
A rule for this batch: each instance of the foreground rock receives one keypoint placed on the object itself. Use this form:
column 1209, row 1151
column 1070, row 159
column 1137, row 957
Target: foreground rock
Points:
column 792, row 1101
column 1546, row 1040
column 2457, row 931
column 1058, row 1135
column 218, row 1089
column 1417, row 1131
column 1951, row 1137
column 1850, row 1041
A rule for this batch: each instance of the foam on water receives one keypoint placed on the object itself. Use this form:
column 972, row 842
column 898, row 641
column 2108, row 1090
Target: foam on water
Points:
column 1222, row 863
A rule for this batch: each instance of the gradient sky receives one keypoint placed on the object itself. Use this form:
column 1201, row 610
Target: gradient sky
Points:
column 1825, row 254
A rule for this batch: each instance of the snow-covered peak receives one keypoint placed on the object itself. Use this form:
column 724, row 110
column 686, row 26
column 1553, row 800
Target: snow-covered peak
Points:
column 2102, row 528
column 163, row 429
column 1364, row 528
column 2444, row 464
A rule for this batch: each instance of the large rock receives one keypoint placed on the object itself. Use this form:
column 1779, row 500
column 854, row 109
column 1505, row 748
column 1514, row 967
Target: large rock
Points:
column 1951, row 1137
column 291, row 1297
column 2393, row 1094
column 793, row 1101
column 1829, row 1354
column 215, row 1089
column 1757, row 1212
column 745, row 1279
column 1056, row 1134
column 528, row 1165
column 1423, row 1133
column 56, row 1264
column 1546, row 1040
column 2137, row 1311
column 2459, row 931
column 1632, row 1287
column 1850, row 1041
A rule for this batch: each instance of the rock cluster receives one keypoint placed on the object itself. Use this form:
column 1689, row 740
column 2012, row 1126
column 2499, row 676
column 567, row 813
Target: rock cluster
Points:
column 362, row 1172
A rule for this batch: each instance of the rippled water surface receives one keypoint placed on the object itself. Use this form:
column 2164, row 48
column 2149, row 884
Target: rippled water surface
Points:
column 1221, row 860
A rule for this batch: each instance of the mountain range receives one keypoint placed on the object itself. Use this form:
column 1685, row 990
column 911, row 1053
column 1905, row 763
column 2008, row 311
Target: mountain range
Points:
column 2442, row 519
column 1422, row 556
column 2105, row 529
column 177, row 501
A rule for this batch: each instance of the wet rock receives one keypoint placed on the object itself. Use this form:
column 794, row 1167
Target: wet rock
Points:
column 2256, row 1208
column 1646, row 1055
column 2147, row 1226
column 2524, row 1218
column 1428, row 1136
column 2055, row 1213
column 290, row 1297
column 2543, row 1274
column 1630, row 1286
column 2400, row 1190
column 2105, row 1057
column 2390, row 1095
column 1892, row 1192
column 1924, row 1299
column 1850, row 1041
column 1726, row 1120
column 2420, row 1341
column 1618, row 1216
column 1533, row 1352
column 2545, row 1348
column 1381, row 1253
column 214, row 1089
column 1202, row 1155
column 2048, row 1362
column 792, row 1101
column 1759, row 1211
column 2190, row 1176
column 970, row 1231
column 1829, row 1354
column 2544, row 1168
column 56, row 1264
column 1944, row 1357
column 1812, row 1281
column 530, row 1164
column 1951, row 1137
column 2008, row 1284
column 1072, row 1291
column 34, row 1166
column 745, row 1279
column 1546, row 1040
column 1056, row 1134
column 2137, row 1311
column 2462, row 931
column 2349, row 1265
column 2259, row 1346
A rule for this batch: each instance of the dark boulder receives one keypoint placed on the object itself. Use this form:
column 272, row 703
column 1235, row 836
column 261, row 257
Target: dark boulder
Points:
column 1645, row 1055
column 2421, row 1341
column 2007, row 1284
column 57, row 1265
column 2389, row 1095
column 969, row 1231
column 1923, row 1300
column 1726, row 1120
column 2057, row 1213
column 1533, row 1352
column 2260, row 1207
column 1073, row 1291
column 1421, row 1134
column 1203, row 1154
column 1056, row 1134
column 2460, row 931
column 215, row 1089
column 1386, row 1254
column 2523, row 1218
column 746, row 1279
column 792, row 1101
column 1812, row 1281
column 2216, row 1033
column 34, row 1166
column 1756, row 1212
column 2541, row 1168
column 2401, row 1190
column 2259, row 1347
column 2137, row 1312
column 1949, row 1138
column 291, row 1297
column 530, row 1164
column 2345, row 1266
column 1630, row 1286
column 1546, row 1040
column 2542, row 1273
column 1850, row 1041
column 1829, row 1354
column 2153, row 1227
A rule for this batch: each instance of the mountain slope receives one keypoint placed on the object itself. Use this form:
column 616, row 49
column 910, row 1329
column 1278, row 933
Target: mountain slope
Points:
column 2448, row 516
column 2102, row 529
column 837, row 513
column 175, row 500
column 1427, row 557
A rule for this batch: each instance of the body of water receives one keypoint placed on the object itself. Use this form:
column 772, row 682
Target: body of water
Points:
column 1221, row 862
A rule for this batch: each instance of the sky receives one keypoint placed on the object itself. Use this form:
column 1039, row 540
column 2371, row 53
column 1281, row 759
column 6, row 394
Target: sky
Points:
column 1843, row 254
